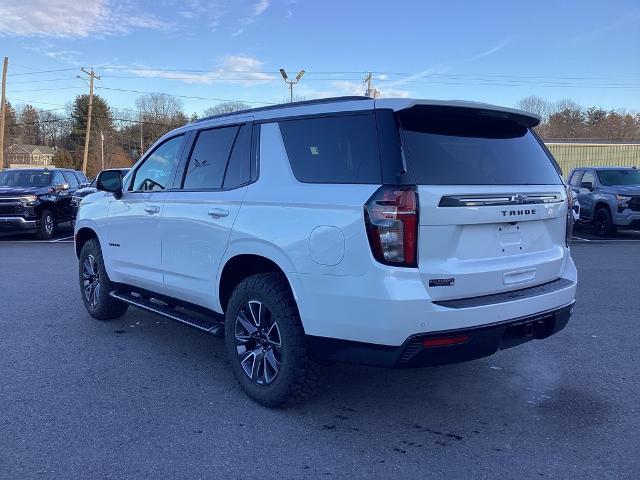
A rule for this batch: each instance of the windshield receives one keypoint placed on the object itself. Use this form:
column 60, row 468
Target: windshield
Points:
column 619, row 177
column 447, row 148
column 25, row 178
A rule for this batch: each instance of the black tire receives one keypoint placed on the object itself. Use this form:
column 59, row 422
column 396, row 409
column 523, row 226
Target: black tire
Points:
column 298, row 375
column 603, row 222
column 100, row 305
column 46, row 226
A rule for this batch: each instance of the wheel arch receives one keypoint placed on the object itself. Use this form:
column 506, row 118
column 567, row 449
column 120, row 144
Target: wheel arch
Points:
column 82, row 236
column 243, row 265
column 601, row 204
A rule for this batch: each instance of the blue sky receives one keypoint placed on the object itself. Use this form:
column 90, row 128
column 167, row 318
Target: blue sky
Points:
column 493, row 51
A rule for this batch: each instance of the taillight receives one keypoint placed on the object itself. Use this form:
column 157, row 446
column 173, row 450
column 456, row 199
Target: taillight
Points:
column 391, row 218
column 569, row 230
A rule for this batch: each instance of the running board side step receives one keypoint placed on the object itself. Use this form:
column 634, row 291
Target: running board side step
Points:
column 210, row 325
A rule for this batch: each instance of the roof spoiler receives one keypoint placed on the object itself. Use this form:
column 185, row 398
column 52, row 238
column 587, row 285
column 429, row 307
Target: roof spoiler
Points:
column 520, row 117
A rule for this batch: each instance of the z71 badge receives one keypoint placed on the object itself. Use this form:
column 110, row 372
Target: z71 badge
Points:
column 441, row 282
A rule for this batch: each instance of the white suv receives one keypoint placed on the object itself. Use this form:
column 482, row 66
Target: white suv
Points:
column 391, row 232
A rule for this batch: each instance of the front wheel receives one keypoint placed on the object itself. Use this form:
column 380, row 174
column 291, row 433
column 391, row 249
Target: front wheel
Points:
column 46, row 226
column 266, row 342
column 604, row 223
column 95, row 284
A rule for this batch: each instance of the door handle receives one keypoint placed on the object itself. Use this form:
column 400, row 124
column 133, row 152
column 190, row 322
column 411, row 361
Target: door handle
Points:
column 218, row 212
column 151, row 209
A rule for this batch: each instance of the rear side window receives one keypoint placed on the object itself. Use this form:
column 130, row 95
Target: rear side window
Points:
column 575, row 178
column 588, row 179
column 239, row 168
column 472, row 149
column 340, row 149
column 208, row 161
column 58, row 179
column 81, row 177
column 70, row 178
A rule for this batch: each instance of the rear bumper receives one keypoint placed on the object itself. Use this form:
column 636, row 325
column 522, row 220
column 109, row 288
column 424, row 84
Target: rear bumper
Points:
column 17, row 224
column 385, row 307
column 476, row 342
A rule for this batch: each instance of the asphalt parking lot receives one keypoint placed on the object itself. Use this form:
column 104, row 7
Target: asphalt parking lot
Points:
column 145, row 397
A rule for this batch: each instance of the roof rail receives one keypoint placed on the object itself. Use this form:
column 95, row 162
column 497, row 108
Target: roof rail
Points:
column 318, row 101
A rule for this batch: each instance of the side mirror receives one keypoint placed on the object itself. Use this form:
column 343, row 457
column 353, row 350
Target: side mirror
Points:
column 584, row 191
column 110, row 181
column 61, row 187
column 586, row 186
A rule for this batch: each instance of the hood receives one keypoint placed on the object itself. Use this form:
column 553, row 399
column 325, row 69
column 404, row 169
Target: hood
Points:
column 83, row 192
column 17, row 191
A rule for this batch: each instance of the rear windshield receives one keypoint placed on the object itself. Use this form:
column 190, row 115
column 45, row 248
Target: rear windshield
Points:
column 25, row 178
column 472, row 149
column 619, row 177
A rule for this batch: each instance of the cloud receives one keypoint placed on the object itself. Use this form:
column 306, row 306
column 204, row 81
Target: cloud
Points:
column 209, row 12
column 494, row 49
column 435, row 70
column 289, row 14
column 601, row 29
column 258, row 9
column 445, row 67
column 235, row 69
column 48, row 49
column 72, row 18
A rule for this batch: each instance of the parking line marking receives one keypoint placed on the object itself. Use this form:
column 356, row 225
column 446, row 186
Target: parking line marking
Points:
column 61, row 239
column 580, row 238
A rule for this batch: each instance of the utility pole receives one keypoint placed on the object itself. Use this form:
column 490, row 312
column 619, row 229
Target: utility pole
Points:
column 102, row 149
column 371, row 92
column 291, row 82
column 3, row 108
column 141, row 137
column 92, row 75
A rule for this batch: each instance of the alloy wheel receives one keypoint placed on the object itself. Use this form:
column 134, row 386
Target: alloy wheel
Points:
column 258, row 342
column 48, row 224
column 91, row 280
column 601, row 223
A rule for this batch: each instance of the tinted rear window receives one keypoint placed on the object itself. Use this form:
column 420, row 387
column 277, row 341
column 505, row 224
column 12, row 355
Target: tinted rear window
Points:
column 339, row 149
column 471, row 149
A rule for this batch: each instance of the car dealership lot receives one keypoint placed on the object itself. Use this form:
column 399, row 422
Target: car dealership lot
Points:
column 142, row 396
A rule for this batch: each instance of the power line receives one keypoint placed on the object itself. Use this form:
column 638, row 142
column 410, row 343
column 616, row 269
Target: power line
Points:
column 41, row 71
column 45, row 80
column 47, row 89
column 184, row 96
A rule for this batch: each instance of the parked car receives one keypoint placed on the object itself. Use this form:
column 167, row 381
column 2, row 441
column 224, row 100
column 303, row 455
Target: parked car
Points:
column 609, row 197
column 82, row 178
column 36, row 200
column 90, row 188
column 390, row 232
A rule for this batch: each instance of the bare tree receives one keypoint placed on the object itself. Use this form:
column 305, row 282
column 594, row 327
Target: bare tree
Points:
column 29, row 125
column 159, row 113
column 225, row 107
column 52, row 127
column 536, row 105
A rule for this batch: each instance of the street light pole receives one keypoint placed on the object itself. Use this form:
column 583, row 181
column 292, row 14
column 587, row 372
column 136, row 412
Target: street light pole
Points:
column 291, row 82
